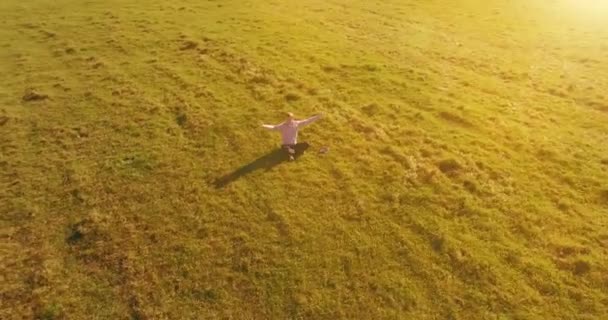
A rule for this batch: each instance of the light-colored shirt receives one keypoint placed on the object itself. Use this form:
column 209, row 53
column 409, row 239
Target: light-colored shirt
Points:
column 289, row 128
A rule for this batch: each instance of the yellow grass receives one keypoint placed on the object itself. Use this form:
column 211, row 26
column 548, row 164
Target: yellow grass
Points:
column 466, row 177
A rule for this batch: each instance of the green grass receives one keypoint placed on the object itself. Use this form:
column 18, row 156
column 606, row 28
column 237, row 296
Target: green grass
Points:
column 466, row 178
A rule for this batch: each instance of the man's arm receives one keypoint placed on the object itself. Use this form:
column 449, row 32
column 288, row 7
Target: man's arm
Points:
column 309, row 120
column 270, row 126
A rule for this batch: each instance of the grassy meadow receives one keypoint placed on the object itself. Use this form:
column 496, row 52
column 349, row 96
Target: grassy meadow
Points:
column 466, row 175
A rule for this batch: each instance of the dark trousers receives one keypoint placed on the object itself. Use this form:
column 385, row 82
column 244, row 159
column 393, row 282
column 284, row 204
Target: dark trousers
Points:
column 295, row 150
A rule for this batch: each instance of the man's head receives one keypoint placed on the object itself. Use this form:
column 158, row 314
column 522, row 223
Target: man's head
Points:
column 290, row 116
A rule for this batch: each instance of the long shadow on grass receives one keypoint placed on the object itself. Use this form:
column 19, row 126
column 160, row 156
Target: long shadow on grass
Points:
column 268, row 161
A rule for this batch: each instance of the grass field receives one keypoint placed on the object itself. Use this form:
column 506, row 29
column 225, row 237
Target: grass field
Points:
column 466, row 178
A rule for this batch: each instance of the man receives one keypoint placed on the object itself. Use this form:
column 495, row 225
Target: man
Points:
column 289, row 132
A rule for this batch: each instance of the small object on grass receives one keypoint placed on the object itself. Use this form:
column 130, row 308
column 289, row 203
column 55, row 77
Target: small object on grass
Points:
column 188, row 45
column 32, row 95
column 324, row 150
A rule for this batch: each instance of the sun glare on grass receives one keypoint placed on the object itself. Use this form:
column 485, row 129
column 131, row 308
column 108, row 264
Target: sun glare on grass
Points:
column 586, row 9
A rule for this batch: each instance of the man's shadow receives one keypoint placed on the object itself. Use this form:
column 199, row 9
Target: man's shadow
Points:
column 267, row 162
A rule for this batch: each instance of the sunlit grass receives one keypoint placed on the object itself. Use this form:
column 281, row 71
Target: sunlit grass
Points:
column 585, row 11
column 459, row 172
